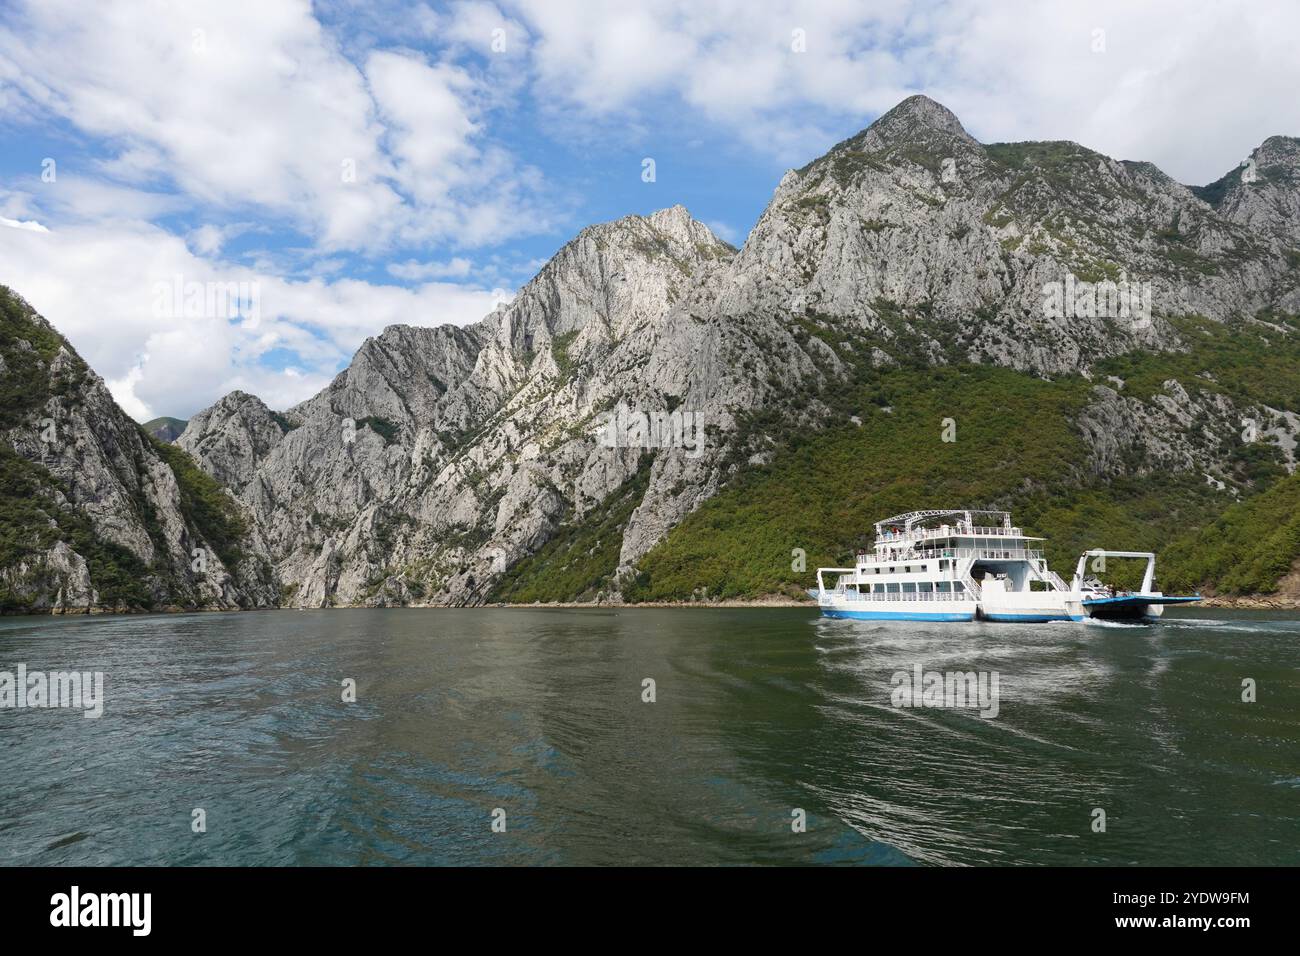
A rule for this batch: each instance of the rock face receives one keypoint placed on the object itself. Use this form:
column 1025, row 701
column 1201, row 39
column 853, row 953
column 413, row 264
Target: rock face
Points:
column 441, row 456
column 97, row 515
column 649, row 355
column 913, row 222
column 1264, row 193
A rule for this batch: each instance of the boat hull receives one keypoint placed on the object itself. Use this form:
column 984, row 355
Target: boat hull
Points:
column 1030, row 617
column 896, row 615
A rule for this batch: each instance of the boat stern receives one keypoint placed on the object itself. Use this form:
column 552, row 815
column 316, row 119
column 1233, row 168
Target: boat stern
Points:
column 1133, row 607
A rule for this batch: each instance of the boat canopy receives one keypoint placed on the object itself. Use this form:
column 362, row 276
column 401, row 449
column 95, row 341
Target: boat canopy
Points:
column 911, row 518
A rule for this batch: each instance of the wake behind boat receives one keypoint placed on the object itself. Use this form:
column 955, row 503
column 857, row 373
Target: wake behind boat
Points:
column 963, row 565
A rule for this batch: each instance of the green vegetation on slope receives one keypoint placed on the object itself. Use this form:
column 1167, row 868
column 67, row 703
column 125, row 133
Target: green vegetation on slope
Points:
column 165, row 428
column 560, row 350
column 34, row 514
column 1052, row 157
column 382, row 427
column 35, row 509
column 1247, row 550
column 1015, row 449
column 1256, row 361
column 32, row 520
column 204, row 502
column 26, row 348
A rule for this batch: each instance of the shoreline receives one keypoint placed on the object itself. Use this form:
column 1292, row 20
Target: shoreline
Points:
column 1246, row 602
column 770, row 601
column 1254, row 602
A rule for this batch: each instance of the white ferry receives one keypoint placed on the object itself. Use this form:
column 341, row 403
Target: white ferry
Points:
column 965, row 564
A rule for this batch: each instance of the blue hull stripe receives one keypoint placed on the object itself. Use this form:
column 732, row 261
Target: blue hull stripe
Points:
column 1133, row 600
column 1030, row 618
column 898, row 615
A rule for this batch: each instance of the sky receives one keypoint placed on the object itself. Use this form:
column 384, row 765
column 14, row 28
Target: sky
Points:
column 209, row 195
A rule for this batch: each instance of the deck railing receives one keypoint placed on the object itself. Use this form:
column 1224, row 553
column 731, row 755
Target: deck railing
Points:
column 950, row 531
column 986, row 554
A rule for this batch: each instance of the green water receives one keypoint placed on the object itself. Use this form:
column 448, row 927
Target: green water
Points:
column 757, row 714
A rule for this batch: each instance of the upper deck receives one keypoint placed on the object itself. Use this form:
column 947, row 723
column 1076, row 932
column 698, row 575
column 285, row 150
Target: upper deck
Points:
column 924, row 531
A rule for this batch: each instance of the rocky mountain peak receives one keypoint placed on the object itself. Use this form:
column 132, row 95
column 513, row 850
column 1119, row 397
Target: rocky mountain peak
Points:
column 235, row 433
column 240, row 397
column 677, row 223
column 1263, row 192
column 917, row 119
column 1282, row 150
column 674, row 229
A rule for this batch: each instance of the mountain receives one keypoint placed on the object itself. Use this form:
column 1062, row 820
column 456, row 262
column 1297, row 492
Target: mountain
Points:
column 165, row 429
column 442, row 455
column 916, row 319
column 95, row 514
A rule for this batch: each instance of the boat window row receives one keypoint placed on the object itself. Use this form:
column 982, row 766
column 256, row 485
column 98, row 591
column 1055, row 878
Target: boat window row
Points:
column 944, row 565
column 910, row 587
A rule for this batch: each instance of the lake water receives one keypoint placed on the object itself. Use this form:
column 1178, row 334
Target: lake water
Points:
column 758, row 714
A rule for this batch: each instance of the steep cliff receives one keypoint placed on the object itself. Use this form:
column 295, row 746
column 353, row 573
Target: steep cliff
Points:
column 94, row 513
column 443, row 455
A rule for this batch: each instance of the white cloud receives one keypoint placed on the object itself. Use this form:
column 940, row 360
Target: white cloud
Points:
column 725, row 232
column 413, row 271
column 482, row 27
column 240, row 101
column 251, row 104
column 209, row 239
column 100, row 286
column 73, row 198
column 429, row 128
column 1010, row 70
column 30, row 225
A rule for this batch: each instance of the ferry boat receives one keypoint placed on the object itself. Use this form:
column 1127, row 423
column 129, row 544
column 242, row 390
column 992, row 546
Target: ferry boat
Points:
column 966, row 565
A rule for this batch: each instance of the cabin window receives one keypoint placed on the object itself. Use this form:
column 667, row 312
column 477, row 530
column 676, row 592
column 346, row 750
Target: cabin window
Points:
column 892, row 588
column 958, row 586
column 925, row 587
column 943, row 587
column 909, row 588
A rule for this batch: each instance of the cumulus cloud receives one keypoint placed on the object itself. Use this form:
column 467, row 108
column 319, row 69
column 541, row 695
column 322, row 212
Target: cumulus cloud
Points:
column 109, row 290
column 413, row 271
column 30, row 225
column 246, row 104
column 1133, row 80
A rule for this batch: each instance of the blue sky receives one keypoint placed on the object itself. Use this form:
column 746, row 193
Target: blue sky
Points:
column 207, row 143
